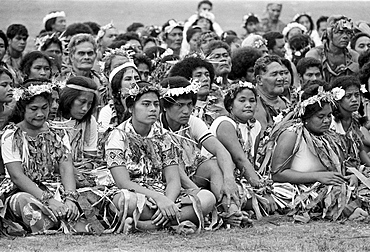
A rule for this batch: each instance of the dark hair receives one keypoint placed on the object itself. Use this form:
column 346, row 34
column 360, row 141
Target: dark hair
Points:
column 288, row 65
column 50, row 23
column 50, row 41
column 130, row 100
column 17, row 114
column 204, row 2
column 242, row 59
column 68, row 95
column 300, row 45
column 29, row 58
column 215, row 45
column 364, row 74
column 4, row 70
column 149, row 39
column 191, row 31
column 310, row 91
column 227, row 34
column 117, row 44
column 230, row 39
column 95, row 27
column 344, row 82
column 262, row 63
column 140, row 58
column 271, row 38
column 186, row 67
column 251, row 19
column 356, row 37
column 312, row 26
column 134, row 26
column 16, row 29
column 321, row 19
column 154, row 52
column 230, row 96
column 116, row 86
column 77, row 28
column 364, row 58
column 129, row 36
column 176, row 82
column 199, row 18
column 3, row 36
column 305, row 63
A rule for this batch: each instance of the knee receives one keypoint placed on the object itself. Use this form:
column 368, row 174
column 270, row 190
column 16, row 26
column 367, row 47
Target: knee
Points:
column 120, row 199
column 207, row 200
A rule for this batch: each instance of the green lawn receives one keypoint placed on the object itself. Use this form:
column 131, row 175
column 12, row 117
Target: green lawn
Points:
column 270, row 234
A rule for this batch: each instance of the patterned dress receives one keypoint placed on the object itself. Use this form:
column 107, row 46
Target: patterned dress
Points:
column 20, row 210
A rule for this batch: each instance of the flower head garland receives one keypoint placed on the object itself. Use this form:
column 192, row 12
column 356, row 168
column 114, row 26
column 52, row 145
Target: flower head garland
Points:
column 258, row 43
column 192, row 88
column 236, row 87
column 135, row 90
column 53, row 14
column 246, row 17
column 123, row 51
column 172, row 24
column 292, row 25
column 321, row 96
column 31, row 91
column 339, row 92
column 295, row 18
column 208, row 15
column 103, row 29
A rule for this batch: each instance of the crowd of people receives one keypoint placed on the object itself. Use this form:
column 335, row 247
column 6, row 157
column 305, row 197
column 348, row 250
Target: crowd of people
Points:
column 185, row 126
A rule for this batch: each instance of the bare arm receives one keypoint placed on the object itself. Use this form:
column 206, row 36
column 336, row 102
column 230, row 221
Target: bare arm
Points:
column 186, row 182
column 227, row 135
column 173, row 184
column 67, row 174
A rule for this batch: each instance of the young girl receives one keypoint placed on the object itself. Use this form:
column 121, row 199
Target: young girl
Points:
column 40, row 190
column 144, row 162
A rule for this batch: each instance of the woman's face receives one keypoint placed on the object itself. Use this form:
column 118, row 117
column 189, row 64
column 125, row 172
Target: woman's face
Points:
column 129, row 78
column 36, row 113
column 351, row 100
column 81, row 105
column 320, row 121
column 146, row 109
column 6, row 90
column 2, row 49
column 54, row 51
column 244, row 105
column 194, row 42
column 303, row 20
column 204, row 23
column 202, row 75
column 362, row 44
column 287, row 77
column 54, row 104
column 40, row 69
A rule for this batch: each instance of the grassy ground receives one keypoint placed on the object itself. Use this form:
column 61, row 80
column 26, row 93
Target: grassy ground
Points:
column 270, row 234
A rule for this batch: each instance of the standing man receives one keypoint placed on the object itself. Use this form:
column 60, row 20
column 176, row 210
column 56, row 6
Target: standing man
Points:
column 172, row 35
column 272, row 22
column 335, row 57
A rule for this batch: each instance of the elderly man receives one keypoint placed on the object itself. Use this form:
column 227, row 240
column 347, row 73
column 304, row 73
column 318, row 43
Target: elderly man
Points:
column 335, row 57
column 309, row 69
column 269, row 74
column 272, row 22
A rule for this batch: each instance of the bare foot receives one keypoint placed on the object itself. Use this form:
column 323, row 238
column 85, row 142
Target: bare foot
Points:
column 129, row 225
column 359, row 214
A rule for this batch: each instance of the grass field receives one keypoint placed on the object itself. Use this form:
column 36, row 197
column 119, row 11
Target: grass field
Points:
column 270, row 234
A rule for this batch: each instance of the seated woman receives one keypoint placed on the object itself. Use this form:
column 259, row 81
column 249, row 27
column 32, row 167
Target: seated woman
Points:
column 239, row 132
column 347, row 96
column 121, row 79
column 77, row 102
column 50, row 44
column 40, row 190
column 305, row 153
column 143, row 161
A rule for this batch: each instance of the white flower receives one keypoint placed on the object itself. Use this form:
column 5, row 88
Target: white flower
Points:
column 17, row 93
column 363, row 89
column 278, row 118
column 338, row 93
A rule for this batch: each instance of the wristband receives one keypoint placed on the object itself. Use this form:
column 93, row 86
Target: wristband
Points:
column 45, row 197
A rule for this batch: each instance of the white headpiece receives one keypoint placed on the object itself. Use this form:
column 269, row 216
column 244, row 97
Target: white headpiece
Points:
column 53, row 15
column 292, row 25
column 119, row 68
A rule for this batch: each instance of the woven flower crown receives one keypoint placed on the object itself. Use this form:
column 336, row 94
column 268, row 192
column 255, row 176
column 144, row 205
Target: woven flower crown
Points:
column 192, row 88
column 322, row 96
column 135, row 90
column 31, row 91
column 235, row 88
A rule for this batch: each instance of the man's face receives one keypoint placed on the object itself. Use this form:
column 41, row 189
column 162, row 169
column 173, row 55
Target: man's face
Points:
column 18, row 43
column 108, row 38
column 174, row 39
column 204, row 7
column 322, row 27
column 274, row 11
column 272, row 80
column 221, row 61
column 279, row 48
column 84, row 56
column 312, row 73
